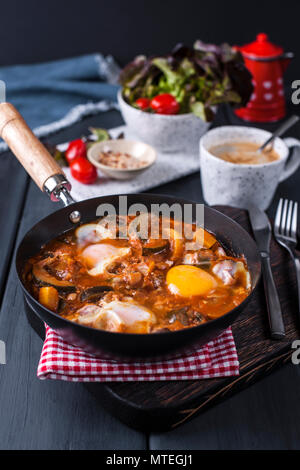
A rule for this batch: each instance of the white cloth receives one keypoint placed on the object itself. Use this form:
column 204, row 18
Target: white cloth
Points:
column 168, row 167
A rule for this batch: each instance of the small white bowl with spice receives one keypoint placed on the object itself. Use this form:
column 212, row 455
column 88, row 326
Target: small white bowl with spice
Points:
column 121, row 159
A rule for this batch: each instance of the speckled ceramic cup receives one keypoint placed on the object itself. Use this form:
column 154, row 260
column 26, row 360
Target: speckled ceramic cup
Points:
column 241, row 185
column 164, row 132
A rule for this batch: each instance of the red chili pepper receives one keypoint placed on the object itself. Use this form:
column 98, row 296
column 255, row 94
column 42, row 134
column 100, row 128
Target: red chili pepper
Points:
column 143, row 103
column 164, row 104
column 83, row 171
column 76, row 148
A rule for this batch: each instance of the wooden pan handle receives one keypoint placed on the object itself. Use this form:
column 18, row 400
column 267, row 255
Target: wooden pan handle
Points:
column 31, row 153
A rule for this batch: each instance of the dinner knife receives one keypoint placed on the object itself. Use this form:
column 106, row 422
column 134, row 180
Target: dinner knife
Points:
column 262, row 232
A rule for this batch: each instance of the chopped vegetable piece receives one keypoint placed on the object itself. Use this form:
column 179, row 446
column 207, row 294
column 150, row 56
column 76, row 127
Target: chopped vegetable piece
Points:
column 205, row 238
column 154, row 246
column 92, row 294
column 48, row 296
column 177, row 242
column 46, row 279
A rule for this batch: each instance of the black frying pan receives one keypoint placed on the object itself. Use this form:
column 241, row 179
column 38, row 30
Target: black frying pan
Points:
column 103, row 343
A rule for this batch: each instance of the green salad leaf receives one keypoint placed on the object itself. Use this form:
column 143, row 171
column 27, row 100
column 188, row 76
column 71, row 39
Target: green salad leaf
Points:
column 99, row 133
column 200, row 78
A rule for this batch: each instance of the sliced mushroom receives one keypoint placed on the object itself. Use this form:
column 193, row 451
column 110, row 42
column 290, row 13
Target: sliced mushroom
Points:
column 44, row 278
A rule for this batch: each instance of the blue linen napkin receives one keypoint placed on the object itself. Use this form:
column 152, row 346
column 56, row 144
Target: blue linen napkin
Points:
column 45, row 93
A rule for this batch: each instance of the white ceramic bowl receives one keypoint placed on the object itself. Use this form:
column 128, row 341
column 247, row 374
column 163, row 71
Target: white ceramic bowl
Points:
column 138, row 150
column 242, row 185
column 166, row 133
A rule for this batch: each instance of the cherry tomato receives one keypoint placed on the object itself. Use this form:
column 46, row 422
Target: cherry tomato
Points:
column 164, row 104
column 76, row 148
column 83, row 171
column 143, row 103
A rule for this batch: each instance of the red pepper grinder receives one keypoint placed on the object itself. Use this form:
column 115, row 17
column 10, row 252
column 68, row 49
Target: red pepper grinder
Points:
column 267, row 63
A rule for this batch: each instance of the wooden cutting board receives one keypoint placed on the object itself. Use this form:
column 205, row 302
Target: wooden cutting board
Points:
column 162, row 406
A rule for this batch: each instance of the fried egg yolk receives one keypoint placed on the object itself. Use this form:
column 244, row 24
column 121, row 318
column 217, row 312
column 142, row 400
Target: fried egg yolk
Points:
column 187, row 281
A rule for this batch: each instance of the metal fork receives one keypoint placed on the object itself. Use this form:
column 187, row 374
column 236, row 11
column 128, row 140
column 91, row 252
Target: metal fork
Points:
column 285, row 231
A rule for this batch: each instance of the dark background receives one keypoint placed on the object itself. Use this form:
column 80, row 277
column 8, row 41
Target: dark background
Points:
column 55, row 415
column 35, row 30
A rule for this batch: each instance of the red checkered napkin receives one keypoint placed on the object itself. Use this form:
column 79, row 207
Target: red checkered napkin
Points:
column 60, row 360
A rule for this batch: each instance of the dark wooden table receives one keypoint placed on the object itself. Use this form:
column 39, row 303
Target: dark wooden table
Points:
column 38, row 414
